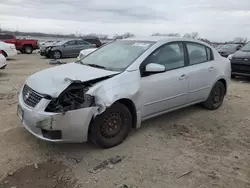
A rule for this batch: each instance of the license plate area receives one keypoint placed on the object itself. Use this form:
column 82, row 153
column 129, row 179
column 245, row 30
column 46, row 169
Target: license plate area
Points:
column 20, row 113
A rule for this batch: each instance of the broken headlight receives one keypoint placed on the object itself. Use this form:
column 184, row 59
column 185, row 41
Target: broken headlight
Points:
column 71, row 99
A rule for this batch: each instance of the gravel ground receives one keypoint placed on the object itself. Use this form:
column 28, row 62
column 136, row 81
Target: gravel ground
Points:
column 189, row 148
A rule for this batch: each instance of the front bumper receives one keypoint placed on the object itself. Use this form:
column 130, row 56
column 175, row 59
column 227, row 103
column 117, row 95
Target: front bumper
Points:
column 55, row 127
column 12, row 53
column 3, row 62
column 240, row 67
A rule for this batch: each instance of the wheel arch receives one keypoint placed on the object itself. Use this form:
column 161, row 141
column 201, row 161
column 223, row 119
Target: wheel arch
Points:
column 4, row 53
column 28, row 45
column 131, row 106
column 222, row 80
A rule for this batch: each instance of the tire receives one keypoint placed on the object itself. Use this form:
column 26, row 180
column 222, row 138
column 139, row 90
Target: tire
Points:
column 111, row 127
column 216, row 96
column 4, row 54
column 22, row 51
column 56, row 54
column 28, row 49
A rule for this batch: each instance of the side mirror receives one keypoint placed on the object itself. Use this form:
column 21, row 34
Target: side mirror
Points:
column 154, row 68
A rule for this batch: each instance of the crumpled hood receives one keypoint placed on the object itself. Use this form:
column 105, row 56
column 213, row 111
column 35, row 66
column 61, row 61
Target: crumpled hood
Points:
column 53, row 81
column 242, row 54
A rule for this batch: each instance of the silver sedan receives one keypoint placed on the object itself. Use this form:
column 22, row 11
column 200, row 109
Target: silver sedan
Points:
column 113, row 89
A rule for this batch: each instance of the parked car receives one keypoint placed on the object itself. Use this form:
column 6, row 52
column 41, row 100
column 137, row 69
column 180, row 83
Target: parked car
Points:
column 93, row 40
column 218, row 46
column 68, row 48
column 228, row 49
column 85, row 52
column 3, row 62
column 240, row 62
column 8, row 50
column 115, row 88
column 23, row 45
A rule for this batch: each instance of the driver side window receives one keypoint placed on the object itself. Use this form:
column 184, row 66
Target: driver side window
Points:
column 170, row 55
column 70, row 43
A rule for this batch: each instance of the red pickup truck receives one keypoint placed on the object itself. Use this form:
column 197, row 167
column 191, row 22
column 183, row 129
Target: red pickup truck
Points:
column 23, row 45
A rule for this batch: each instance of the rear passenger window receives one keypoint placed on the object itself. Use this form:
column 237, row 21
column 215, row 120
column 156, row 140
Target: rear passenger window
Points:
column 197, row 53
column 210, row 56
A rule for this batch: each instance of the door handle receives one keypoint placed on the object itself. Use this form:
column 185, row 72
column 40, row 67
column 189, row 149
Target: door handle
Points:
column 182, row 77
column 211, row 68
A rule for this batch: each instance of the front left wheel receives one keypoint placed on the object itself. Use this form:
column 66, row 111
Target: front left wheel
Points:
column 56, row 54
column 112, row 126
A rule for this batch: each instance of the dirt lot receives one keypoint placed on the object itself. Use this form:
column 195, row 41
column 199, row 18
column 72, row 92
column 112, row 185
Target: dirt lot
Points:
column 188, row 148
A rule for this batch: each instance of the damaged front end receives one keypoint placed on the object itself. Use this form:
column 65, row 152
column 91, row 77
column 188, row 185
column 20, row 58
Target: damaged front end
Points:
column 74, row 97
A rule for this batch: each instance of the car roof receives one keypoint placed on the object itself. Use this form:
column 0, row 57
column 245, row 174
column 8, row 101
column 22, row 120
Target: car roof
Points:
column 166, row 39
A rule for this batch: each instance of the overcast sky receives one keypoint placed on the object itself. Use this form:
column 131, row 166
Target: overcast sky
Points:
column 214, row 19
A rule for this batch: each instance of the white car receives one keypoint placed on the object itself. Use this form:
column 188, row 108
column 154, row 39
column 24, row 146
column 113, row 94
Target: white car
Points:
column 8, row 50
column 85, row 52
column 3, row 62
column 102, row 96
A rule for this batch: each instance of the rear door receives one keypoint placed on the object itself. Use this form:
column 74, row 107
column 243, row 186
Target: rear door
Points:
column 203, row 71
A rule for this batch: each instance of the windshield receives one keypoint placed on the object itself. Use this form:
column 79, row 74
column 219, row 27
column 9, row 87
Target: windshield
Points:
column 117, row 56
column 246, row 48
column 229, row 46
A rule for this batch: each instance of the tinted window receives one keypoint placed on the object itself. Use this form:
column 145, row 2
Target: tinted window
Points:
column 246, row 48
column 4, row 37
column 81, row 42
column 197, row 53
column 170, row 55
column 229, row 46
column 93, row 41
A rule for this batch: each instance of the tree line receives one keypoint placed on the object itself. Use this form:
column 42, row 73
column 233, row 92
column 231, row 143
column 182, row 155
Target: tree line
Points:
column 193, row 35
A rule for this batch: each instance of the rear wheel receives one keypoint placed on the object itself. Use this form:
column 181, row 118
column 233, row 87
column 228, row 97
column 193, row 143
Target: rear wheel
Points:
column 28, row 49
column 56, row 54
column 112, row 126
column 216, row 96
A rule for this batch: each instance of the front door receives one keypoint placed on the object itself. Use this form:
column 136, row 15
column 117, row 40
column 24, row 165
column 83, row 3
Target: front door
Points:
column 167, row 90
column 70, row 48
